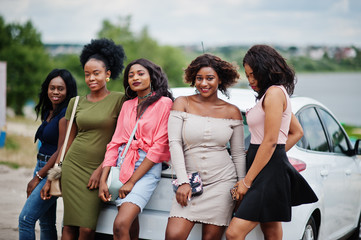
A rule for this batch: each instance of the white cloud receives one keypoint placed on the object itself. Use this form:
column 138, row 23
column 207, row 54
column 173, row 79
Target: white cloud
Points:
column 341, row 5
column 192, row 21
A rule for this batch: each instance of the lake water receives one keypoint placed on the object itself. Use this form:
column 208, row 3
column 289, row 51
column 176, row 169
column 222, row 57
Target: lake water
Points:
column 340, row 92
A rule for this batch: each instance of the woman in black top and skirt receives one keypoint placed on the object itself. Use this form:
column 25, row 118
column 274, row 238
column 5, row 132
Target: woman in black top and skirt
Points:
column 272, row 185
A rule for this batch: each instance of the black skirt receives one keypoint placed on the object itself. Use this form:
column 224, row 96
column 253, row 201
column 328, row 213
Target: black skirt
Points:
column 275, row 190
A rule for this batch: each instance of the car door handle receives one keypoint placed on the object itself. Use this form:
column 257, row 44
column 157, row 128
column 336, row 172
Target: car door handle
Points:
column 324, row 173
column 348, row 172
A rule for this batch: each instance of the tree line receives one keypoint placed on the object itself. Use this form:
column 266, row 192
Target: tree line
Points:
column 28, row 61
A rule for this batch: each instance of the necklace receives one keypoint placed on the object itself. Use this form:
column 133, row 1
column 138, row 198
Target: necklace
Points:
column 150, row 93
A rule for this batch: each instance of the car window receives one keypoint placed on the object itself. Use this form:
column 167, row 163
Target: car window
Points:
column 338, row 138
column 247, row 134
column 314, row 137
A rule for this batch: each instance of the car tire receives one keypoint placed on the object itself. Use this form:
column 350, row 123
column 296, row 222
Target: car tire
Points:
column 310, row 232
column 356, row 234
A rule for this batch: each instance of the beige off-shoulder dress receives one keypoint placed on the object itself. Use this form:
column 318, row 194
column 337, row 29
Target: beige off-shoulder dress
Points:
column 199, row 143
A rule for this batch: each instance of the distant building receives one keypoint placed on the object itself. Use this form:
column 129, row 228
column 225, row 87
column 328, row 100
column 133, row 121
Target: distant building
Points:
column 58, row 49
column 316, row 53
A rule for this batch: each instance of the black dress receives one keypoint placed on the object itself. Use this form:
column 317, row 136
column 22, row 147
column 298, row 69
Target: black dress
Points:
column 275, row 189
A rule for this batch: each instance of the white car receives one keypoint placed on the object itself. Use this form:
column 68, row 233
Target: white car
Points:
column 324, row 157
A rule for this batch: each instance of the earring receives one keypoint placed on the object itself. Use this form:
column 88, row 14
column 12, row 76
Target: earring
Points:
column 126, row 92
column 107, row 79
column 196, row 90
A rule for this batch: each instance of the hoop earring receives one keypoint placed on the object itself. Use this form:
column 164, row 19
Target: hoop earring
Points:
column 126, row 92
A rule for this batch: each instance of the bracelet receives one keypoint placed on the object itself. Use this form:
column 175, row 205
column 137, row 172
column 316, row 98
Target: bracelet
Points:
column 245, row 184
column 37, row 174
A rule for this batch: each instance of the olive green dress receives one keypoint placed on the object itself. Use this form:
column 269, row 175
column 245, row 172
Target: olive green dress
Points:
column 96, row 123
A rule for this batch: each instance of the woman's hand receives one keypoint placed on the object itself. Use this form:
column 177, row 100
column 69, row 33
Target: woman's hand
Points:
column 95, row 179
column 45, row 191
column 32, row 185
column 241, row 190
column 104, row 192
column 126, row 189
column 184, row 194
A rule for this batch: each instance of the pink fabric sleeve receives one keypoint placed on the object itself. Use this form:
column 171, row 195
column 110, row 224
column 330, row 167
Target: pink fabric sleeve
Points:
column 159, row 151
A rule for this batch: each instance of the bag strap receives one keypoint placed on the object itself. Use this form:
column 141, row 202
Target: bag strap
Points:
column 124, row 153
column 68, row 130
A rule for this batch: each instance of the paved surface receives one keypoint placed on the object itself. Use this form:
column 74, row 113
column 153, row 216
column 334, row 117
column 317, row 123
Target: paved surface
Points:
column 13, row 184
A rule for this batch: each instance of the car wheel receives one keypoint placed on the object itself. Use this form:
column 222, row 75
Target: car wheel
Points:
column 310, row 232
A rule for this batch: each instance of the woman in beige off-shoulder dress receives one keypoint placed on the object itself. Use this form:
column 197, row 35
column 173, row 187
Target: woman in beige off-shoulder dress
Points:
column 199, row 129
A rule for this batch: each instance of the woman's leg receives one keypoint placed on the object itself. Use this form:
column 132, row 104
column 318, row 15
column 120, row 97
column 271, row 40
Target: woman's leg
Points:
column 70, row 233
column 178, row 228
column 47, row 223
column 127, row 213
column 134, row 229
column 86, row 234
column 239, row 228
column 272, row 230
column 34, row 208
column 80, row 233
column 212, row 232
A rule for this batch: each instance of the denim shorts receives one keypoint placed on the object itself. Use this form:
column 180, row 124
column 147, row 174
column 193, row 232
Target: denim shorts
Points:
column 144, row 187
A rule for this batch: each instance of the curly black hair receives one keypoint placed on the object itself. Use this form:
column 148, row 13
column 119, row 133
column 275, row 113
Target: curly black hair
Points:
column 158, row 79
column 269, row 68
column 226, row 71
column 44, row 105
column 108, row 52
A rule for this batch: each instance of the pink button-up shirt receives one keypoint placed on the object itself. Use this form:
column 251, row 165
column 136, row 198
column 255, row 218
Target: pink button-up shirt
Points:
column 151, row 135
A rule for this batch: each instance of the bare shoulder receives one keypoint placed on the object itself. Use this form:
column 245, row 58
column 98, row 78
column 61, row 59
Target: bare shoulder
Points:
column 180, row 104
column 233, row 112
column 62, row 122
column 274, row 98
column 275, row 91
column 275, row 94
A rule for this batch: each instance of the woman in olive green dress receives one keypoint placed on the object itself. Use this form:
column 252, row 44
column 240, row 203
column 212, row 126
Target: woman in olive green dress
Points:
column 94, row 124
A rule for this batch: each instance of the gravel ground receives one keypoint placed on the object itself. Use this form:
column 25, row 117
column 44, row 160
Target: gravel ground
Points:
column 13, row 184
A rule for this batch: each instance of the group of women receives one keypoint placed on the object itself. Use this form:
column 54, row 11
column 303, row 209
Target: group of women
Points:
column 193, row 131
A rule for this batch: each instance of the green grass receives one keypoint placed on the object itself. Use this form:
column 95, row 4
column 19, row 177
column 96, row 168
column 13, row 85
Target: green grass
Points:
column 352, row 131
column 11, row 143
column 10, row 164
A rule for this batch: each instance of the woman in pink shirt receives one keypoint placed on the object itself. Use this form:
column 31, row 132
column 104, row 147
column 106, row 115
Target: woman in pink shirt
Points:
column 271, row 186
column 149, row 100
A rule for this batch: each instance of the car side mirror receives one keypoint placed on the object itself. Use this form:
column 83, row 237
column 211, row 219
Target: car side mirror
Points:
column 357, row 147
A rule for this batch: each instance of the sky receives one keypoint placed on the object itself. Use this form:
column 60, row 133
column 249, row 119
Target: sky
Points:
column 185, row 22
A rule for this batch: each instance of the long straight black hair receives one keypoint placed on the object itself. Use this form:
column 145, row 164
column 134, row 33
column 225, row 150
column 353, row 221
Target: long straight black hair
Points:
column 158, row 79
column 44, row 105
